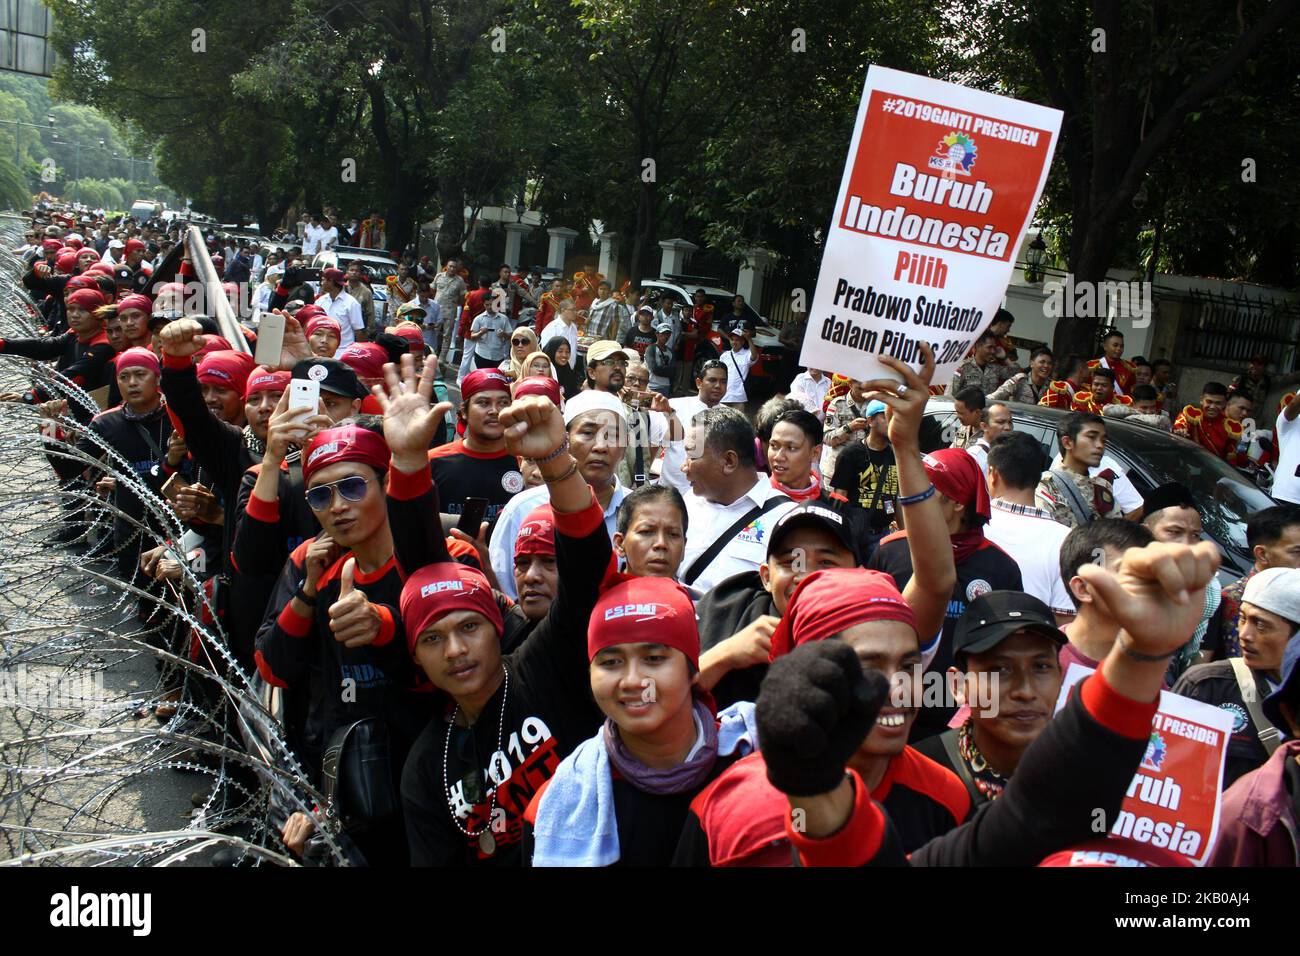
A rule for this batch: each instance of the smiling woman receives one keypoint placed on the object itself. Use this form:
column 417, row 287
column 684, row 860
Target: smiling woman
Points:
column 623, row 795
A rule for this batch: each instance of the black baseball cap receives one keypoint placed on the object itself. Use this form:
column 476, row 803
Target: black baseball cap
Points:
column 336, row 377
column 812, row 515
column 993, row 617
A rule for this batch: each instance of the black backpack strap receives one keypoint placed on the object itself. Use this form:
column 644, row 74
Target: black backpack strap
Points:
column 712, row 551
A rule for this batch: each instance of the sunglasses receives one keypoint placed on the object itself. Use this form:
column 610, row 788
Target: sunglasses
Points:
column 520, row 342
column 351, row 489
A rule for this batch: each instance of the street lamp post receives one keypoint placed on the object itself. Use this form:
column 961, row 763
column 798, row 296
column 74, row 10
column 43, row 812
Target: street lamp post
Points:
column 17, row 131
column 1034, row 255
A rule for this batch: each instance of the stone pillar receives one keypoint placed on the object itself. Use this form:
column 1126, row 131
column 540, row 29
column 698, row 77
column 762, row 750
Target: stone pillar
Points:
column 561, row 236
column 752, row 272
column 609, row 257
column 515, row 232
column 676, row 252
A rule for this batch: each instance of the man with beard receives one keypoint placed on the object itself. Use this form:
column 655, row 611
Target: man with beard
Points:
column 1267, row 620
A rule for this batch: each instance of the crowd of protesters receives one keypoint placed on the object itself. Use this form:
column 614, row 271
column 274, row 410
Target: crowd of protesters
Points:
column 678, row 628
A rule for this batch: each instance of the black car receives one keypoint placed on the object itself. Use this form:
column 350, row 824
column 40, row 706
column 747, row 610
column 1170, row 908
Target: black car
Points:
column 1151, row 457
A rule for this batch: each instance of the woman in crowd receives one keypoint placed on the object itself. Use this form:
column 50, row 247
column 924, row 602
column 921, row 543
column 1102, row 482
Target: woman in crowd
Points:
column 561, row 355
column 651, row 535
column 523, row 346
column 623, row 796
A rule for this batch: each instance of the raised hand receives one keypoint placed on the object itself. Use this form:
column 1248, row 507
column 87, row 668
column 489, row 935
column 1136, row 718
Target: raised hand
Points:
column 814, row 709
column 1157, row 595
column 291, row 426
column 410, row 421
column 321, row 553
column 534, row 426
column 353, row 619
column 907, row 409
column 181, row 338
column 295, row 346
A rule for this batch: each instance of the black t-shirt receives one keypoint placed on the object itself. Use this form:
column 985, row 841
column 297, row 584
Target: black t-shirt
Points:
column 639, row 340
column 548, row 711
column 870, row 480
column 460, row 473
column 987, row 569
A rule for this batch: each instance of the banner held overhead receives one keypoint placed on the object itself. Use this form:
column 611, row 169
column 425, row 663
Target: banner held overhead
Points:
column 939, row 187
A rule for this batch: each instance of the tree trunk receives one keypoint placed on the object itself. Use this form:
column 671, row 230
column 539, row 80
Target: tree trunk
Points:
column 452, row 231
column 643, row 237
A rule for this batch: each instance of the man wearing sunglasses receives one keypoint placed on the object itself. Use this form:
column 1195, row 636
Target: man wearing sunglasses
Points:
column 330, row 624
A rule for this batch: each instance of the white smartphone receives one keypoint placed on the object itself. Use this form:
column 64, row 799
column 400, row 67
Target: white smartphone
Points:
column 270, row 339
column 304, row 393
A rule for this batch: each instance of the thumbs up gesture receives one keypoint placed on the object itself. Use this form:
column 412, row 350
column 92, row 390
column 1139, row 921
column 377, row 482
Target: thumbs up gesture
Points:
column 354, row 620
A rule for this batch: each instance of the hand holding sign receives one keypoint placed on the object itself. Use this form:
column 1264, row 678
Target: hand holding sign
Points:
column 906, row 401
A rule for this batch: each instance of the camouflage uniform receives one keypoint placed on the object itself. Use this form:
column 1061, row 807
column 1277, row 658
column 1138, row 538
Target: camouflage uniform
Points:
column 986, row 379
column 1096, row 491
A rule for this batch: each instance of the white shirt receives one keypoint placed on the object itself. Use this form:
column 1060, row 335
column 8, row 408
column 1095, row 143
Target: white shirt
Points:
column 1033, row 538
column 1286, row 486
column 1127, row 497
column 813, row 388
column 311, row 237
column 347, row 312
column 559, row 329
column 980, row 452
column 329, row 238
column 746, row 550
column 501, row 549
column 737, row 371
column 686, row 407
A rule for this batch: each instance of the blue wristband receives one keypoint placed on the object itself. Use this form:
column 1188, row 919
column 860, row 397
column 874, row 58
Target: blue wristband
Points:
column 917, row 499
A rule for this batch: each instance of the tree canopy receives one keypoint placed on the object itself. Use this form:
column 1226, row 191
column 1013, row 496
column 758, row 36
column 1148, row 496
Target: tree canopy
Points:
column 723, row 123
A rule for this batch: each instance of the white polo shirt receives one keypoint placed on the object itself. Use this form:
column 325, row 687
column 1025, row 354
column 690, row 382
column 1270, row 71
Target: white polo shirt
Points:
column 501, row 549
column 345, row 310
column 746, row 550
column 1033, row 539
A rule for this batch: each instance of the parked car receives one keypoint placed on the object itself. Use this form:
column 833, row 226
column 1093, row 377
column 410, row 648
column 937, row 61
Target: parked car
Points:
column 1150, row 457
column 679, row 290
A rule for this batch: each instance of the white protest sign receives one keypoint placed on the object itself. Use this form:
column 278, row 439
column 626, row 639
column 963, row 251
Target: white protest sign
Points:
column 1173, row 801
column 939, row 187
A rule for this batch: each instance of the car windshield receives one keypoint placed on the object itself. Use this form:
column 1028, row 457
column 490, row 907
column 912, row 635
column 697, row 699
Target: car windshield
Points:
column 1227, row 499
